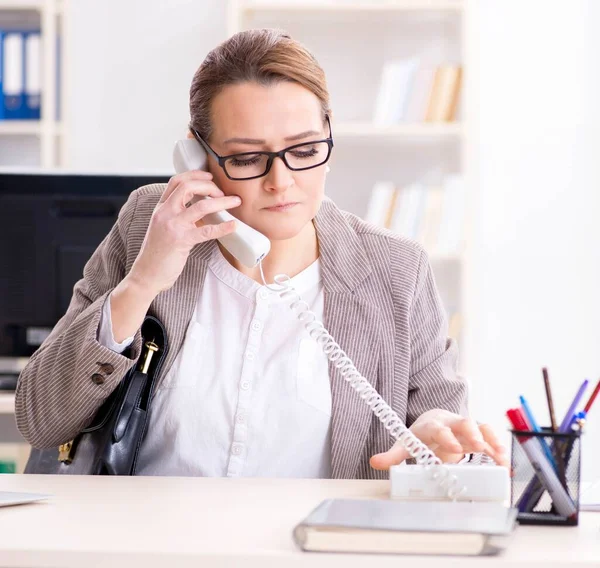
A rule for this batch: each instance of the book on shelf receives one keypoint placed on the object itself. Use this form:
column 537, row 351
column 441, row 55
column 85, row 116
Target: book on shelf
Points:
column 445, row 94
column 408, row 211
column 20, row 74
column 381, row 203
column 433, row 215
column 413, row 92
column 394, row 89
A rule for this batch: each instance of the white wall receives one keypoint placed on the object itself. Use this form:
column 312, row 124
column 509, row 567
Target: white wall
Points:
column 131, row 65
column 536, row 269
column 533, row 282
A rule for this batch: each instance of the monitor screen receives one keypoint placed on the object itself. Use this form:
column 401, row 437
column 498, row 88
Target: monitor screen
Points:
column 50, row 224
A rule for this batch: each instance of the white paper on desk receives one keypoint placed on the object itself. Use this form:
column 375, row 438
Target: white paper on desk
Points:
column 590, row 498
column 8, row 498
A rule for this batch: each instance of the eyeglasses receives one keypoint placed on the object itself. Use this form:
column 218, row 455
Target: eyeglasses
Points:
column 252, row 165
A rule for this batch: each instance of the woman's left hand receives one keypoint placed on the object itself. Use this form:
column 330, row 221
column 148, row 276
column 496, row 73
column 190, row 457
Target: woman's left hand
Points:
column 450, row 436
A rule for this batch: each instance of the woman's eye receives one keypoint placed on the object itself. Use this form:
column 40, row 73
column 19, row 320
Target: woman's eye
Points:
column 304, row 153
column 244, row 161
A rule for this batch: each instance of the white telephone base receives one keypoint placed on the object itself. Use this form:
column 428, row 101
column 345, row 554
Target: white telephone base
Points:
column 482, row 483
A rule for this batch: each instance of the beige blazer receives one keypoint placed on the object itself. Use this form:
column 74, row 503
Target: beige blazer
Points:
column 381, row 305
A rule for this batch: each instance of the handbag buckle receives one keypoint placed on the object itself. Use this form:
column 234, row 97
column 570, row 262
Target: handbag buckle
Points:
column 64, row 453
column 151, row 349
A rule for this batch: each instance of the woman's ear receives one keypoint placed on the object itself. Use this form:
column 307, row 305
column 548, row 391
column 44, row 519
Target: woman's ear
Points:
column 189, row 135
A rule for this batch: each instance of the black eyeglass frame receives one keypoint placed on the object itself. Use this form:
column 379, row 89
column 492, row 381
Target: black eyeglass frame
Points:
column 270, row 155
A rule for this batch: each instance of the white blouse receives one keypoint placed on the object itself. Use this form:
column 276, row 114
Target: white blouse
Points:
column 248, row 394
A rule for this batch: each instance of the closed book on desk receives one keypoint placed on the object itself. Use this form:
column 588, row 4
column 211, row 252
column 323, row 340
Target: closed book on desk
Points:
column 406, row 527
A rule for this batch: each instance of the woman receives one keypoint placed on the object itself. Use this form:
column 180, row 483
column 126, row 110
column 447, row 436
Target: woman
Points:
column 244, row 391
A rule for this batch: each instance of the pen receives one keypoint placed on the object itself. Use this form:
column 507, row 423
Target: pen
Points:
column 543, row 469
column 534, row 426
column 592, row 398
column 549, row 398
column 565, row 425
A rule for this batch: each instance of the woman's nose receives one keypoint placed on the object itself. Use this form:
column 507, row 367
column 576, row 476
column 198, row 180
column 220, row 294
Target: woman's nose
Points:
column 279, row 177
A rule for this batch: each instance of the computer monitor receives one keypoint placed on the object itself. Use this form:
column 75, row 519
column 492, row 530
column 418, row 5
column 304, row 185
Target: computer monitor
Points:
column 50, row 224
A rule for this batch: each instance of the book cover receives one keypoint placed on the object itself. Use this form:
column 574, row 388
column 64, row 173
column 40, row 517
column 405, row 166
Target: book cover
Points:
column 406, row 527
column 33, row 75
column 2, row 33
column 408, row 212
column 13, row 91
column 396, row 82
column 430, row 225
column 416, row 108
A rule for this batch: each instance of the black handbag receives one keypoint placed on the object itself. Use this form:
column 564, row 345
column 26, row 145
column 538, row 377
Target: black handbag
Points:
column 110, row 444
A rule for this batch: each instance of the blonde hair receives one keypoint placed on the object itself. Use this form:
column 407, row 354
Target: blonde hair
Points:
column 264, row 56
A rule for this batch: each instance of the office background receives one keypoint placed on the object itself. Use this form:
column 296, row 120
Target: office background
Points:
column 530, row 283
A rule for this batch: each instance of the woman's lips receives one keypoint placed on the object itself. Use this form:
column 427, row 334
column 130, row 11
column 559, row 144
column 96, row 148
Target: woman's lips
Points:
column 282, row 207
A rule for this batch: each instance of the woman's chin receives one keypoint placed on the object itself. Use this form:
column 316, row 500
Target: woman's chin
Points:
column 281, row 230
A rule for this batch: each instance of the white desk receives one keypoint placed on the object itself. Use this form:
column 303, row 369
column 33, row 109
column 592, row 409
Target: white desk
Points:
column 192, row 522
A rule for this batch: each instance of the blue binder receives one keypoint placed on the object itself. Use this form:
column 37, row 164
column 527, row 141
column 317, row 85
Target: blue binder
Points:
column 13, row 75
column 1, row 73
column 33, row 80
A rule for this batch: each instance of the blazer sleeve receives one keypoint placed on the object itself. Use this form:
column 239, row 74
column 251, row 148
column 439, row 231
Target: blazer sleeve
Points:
column 68, row 378
column 433, row 381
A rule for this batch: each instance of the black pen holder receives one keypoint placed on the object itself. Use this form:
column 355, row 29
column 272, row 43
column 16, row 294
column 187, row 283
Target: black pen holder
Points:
column 546, row 475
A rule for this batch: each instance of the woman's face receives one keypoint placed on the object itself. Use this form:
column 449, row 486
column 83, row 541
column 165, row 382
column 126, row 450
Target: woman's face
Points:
column 249, row 117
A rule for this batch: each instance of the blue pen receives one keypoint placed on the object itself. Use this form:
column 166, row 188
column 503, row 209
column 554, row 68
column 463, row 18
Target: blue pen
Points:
column 565, row 426
column 536, row 428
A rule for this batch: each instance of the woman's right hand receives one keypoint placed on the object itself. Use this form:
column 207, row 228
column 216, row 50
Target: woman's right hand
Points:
column 175, row 229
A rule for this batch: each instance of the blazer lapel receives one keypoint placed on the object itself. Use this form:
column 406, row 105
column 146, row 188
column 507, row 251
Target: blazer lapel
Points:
column 353, row 322
column 175, row 307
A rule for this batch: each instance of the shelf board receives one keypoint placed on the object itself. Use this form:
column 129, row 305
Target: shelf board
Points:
column 7, row 403
column 38, row 5
column 418, row 130
column 340, row 7
column 27, row 127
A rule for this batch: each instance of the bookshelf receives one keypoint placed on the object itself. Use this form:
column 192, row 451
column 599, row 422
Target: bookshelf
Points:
column 39, row 143
column 347, row 36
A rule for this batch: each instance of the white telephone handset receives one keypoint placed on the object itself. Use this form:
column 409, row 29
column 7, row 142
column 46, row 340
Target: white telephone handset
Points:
column 250, row 247
column 245, row 243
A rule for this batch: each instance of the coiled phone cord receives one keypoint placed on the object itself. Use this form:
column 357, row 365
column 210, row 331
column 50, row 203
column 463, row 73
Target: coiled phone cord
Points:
column 390, row 420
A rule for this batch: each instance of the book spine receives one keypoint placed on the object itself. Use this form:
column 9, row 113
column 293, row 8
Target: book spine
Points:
column 13, row 91
column 33, row 75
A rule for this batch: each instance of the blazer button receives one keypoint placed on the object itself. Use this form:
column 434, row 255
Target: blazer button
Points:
column 97, row 379
column 106, row 368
